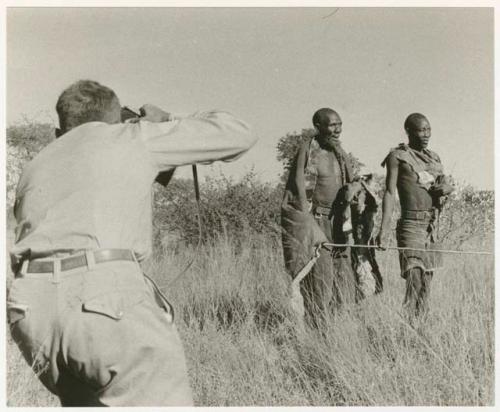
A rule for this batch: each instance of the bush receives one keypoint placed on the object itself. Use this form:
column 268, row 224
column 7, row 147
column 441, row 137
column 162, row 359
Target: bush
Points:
column 227, row 207
column 468, row 214
column 24, row 141
column 30, row 135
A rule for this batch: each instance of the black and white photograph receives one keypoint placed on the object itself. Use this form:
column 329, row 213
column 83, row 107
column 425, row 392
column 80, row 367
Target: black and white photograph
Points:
column 246, row 205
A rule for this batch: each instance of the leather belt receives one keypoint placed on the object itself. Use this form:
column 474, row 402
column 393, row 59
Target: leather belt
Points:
column 322, row 210
column 416, row 214
column 80, row 260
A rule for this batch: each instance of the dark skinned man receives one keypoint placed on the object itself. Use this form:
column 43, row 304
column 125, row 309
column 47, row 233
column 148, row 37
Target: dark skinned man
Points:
column 417, row 174
column 320, row 170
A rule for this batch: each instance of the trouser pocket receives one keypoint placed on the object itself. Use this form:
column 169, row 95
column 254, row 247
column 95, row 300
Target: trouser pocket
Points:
column 29, row 332
column 19, row 325
column 16, row 312
column 160, row 298
column 115, row 304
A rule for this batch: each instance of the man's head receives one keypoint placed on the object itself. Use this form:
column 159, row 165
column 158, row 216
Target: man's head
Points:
column 328, row 123
column 418, row 130
column 86, row 101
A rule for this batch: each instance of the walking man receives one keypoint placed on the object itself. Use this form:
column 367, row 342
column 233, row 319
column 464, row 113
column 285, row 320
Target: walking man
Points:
column 93, row 327
column 417, row 174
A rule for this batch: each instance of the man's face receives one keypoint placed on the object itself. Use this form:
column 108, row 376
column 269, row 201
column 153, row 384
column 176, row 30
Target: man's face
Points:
column 419, row 133
column 330, row 126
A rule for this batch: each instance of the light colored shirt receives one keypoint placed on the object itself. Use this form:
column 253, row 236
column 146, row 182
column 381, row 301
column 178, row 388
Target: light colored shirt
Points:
column 92, row 187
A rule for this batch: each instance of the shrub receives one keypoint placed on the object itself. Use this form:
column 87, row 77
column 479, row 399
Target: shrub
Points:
column 227, row 207
column 468, row 214
column 24, row 141
column 30, row 135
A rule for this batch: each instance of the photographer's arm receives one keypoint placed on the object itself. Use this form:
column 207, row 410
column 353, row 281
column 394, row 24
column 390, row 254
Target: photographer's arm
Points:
column 202, row 138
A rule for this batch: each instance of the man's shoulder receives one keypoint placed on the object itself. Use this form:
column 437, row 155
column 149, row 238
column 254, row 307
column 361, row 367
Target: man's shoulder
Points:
column 306, row 145
column 400, row 148
column 395, row 153
column 403, row 149
column 308, row 141
column 100, row 131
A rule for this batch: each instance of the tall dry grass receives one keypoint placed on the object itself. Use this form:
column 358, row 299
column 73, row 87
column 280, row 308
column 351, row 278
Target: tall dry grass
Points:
column 243, row 346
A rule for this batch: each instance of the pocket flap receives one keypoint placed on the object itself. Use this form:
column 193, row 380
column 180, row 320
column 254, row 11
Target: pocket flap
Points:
column 16, row 312
column 114, row 304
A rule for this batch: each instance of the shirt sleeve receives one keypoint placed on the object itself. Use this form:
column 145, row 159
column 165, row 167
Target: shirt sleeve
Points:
column 200, row 138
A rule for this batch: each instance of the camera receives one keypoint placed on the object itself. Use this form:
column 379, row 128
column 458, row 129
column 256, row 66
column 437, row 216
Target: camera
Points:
column 127, row 113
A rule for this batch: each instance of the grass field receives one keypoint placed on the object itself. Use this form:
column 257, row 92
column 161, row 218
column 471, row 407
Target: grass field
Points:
column 243, row 348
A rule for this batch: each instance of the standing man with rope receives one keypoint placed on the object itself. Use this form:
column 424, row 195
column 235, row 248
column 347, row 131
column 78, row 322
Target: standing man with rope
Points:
column 94, row 328
column 417, row 174
column 320, row 170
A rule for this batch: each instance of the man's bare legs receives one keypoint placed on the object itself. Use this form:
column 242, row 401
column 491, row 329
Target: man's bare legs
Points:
column 418, row 287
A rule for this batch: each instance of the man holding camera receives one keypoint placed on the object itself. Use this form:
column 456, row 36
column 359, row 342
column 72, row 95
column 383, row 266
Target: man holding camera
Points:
column 95, row 329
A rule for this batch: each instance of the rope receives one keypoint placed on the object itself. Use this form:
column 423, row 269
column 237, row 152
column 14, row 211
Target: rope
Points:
column 458, row 252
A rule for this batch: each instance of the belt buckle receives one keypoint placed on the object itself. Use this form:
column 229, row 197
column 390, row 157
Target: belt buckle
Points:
column 426, row 214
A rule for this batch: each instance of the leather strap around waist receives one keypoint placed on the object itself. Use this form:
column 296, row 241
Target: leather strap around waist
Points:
column 80, row 260
column 416, row 214
column 322, row 210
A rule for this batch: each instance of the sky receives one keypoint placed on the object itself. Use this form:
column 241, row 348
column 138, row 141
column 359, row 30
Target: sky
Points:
column 274, row 67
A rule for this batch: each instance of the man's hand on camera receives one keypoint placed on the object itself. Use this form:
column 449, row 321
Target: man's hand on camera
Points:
column 152, row 113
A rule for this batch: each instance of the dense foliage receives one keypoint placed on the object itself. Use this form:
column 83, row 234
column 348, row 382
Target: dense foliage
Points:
column 468, row 213
column 31, row 136
column 24, row 141
column 227, row 207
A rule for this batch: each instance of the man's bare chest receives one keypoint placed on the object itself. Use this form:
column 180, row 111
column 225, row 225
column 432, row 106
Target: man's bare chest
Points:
column 326, row 165
column 406, row 172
